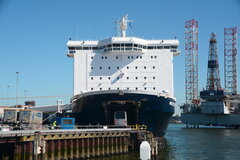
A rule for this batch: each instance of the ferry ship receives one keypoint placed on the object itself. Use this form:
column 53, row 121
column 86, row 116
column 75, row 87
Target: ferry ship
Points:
column 123, row 73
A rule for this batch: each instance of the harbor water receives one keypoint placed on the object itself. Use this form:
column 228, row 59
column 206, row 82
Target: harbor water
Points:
column 203, row 143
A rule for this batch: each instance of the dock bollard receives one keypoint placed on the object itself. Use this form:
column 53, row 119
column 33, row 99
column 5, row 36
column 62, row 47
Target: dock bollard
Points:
column 145, row 151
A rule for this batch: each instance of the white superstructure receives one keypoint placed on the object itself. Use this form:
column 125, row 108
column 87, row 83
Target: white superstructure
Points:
column 123, row 63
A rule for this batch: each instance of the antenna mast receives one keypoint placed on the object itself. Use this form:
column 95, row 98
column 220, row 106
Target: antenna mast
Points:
column 123, row 25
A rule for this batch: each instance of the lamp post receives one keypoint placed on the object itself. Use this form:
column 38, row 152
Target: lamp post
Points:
column 25, row 93
column 17, row 89
column 7, row 93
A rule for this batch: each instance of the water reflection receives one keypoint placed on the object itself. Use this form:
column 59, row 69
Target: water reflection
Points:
column 190, row 144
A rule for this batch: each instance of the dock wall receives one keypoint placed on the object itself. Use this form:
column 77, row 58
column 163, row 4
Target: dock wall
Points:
column 40, row 145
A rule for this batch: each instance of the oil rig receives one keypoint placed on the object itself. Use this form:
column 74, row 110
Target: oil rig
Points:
column 215, row 106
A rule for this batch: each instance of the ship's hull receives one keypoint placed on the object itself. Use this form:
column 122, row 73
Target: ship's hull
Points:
column 152, row 110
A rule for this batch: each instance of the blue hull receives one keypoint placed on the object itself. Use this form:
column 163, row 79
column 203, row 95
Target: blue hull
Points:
column 151, row 110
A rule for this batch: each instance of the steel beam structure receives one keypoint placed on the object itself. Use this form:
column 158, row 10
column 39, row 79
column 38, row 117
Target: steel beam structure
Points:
column 191, row 61
column 230, row 59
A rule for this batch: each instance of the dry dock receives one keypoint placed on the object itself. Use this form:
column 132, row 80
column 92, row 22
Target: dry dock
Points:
column 69, row 144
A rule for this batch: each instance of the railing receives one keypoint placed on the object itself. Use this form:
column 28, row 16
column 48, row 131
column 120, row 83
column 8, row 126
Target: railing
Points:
column 139, row 127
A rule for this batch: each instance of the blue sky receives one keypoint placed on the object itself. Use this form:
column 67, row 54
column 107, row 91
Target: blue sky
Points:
column 33, row 36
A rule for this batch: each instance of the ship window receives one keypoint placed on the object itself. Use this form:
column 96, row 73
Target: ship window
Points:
column 91, row 57
column 127, row 67
column 145, row 77
column 132, row 57
column 128, row 44
column 145, row 67
column 100, row 78
column 140, row 57
column 153, row 88
column 105, row 57
column 117, row 67
column 102, row 57
column 136, row 67
column 91, row 88
column 155, row 56
column 128, row 57
column 144, row 47
column 116, row 57
column 100, row 88
column 109, row 88
column 174, row 47
column 127, row 77
column 118, row 88
column 150, row 47
column 153, row 77
column 91, row 67
column 136, row 77
column 145, row 88
column 116, row 45
column 109, row 67
column 86, row 48
column 91, row 78
column 153, row 67
column 117, row 77
column 109, row 45
column 159, row 47
column 71, row 48
column 151, row 56
column 135, row 45
column 100, row 67
column 127, row 88
column 136, row 88
column 109, row 78
column 137, row 57
column 95, row 48
column 166, row 47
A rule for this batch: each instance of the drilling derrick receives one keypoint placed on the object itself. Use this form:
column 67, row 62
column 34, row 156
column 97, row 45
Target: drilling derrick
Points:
column 230, row 60
column 213, row 77
column 191, row 62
